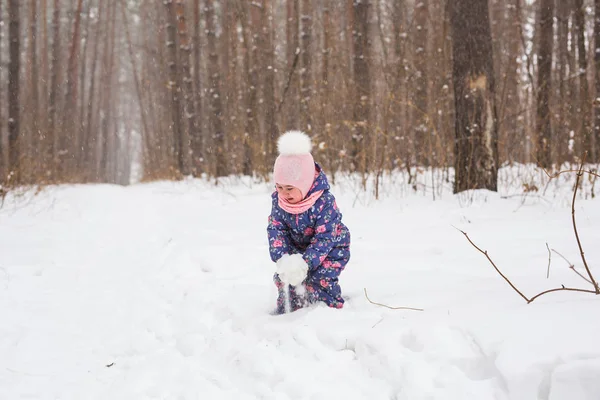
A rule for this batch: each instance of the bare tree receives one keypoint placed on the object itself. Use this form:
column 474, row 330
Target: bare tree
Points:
column 216, row 105
column 175, row 85
column 14, row 76
column 250, row 73
column 362, row 82
column 268, row 68
column 584, row 116
column 596, row 141
column 306, row 62
column 69, row 147
column 188, row 107
column 55, row 85
column 476, row 146
column 197, row 137
column 34, row 83
column 544, row 85
column 564, row 93
column 421, row 125
column 3, row 158
column 292, row 55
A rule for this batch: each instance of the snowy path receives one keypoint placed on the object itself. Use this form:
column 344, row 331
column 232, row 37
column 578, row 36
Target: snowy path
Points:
column 162, row 291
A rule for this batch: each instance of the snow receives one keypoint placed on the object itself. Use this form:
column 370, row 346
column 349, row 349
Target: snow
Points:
column 163, row 291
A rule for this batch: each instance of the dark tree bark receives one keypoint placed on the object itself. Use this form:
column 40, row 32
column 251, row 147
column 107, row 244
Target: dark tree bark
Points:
column 14, row 76
column 35, row 134
column 292, row 49
column 174, row 85
column 476, row 131
column 3, row 162
column 54, row 86
column 197, row 138
column 216, row 105
column 69, row 147
column 90, row 133
column 362, row 82
column 565, row 106
column 422, row 129
column 251, row 82
column 268, row 68
column 188, row 111
column 512, row 107
column 596, row 141
column 543, row 125
column 585, row 131
column 306, row 63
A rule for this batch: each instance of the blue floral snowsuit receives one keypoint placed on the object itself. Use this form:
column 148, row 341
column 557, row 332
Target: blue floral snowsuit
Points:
column 322, row 239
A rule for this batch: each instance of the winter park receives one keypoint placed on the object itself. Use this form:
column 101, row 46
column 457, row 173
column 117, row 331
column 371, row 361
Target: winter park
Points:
column 299, row 199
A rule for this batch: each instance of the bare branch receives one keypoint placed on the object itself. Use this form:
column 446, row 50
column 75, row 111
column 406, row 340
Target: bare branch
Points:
column 563, row 288
column 485, row 253
column 549, row 260
column 391, row 308
column 289, row 80
column 560, row 290
column 571, row 265
column 579, row 174
column 579, row 273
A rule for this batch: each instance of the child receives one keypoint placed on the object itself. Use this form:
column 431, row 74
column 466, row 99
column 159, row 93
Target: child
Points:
column 307, row 238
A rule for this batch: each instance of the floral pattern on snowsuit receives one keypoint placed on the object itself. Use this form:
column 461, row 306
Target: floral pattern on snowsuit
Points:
column 322, row 239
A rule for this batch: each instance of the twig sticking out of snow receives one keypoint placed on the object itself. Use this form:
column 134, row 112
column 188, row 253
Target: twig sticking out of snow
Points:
column 579, row 175
column 528, row 300
column 390, row 307
column 549, row 261
column 572, row 267
column 591, row 280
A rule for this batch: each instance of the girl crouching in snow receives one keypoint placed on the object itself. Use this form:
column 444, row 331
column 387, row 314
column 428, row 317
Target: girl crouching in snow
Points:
column 307, row 238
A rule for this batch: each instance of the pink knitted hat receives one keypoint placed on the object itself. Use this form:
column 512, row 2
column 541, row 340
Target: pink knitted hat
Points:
column 295, row 165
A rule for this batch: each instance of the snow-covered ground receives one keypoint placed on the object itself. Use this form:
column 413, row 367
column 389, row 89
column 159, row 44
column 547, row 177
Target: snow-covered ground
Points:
column 163, row 291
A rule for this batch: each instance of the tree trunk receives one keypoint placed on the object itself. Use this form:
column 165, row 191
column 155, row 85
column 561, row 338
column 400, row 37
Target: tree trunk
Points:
column 596, row 141
column 422, row 128
column 14, row 105
column 399, row 122
column 83, row 78
column 53, row 130
column 362, row 82
column 565, row 107
column 216, row 105
column 268, row 69
column 511, row 107
column 107, row 133
column 306, row 62
column 87, row 156
column 585, row 132
column 476, row 131
column 197, row 139
column 251, row 129
column 69, row 146
column 3, row 157
column 188, row 111
column 292, row 47
column 35, row 79
column 544, row 86
column 174, row 85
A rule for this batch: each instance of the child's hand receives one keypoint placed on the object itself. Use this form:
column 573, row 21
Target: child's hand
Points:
column 292, row 269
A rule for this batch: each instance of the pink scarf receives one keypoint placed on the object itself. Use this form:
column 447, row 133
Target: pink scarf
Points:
column 300, row 207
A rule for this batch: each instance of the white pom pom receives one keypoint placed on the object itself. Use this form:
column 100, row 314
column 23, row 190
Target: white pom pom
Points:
column 294, row 142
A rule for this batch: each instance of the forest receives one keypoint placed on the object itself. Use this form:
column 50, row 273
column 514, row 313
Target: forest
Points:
column 102, row 90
